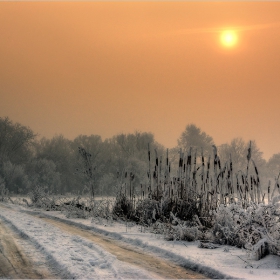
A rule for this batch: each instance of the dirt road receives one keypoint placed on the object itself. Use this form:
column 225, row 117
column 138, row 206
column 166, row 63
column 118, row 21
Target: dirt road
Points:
column 158, row 267
column 14, row 261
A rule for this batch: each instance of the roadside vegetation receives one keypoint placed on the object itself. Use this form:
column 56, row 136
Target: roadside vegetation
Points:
column 195, row 191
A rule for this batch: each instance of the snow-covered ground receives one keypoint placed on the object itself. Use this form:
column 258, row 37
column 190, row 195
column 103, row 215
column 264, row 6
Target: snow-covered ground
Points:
column 77, row 257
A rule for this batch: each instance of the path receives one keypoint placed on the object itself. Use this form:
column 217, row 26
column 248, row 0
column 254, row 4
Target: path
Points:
column 14, row 260
column 77, row 252
column 132, row 255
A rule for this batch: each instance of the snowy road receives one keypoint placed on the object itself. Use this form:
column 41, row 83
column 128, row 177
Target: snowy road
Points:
column 53, row 246
column 14, row 259
column 73, row 252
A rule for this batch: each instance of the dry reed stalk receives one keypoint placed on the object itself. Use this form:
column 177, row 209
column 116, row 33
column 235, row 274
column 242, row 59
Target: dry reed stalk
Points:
column 156, row 177
column 179, row 175
column 189, row 162
column 252, row 189
column 268, row 192
column 202, row 186
column 207, row 184
column 167, row 171
column 259, row 190
column 276, row 185
column 215, row 175
column 231, row 176
column 248, row 159
column 184, row 178
column 194, row 175
column 160, row 175
column 149, row 171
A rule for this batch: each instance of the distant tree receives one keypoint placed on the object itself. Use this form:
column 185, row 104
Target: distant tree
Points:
column 93, row 146
column 273, row 166
column 42, row 172
column 56, row 149
column 107, row 184
column 60, row 152
column 238, row 151
column 193, row 137
column 15, row 142
column 15, row 178
column 128, row 153
column 91, row 143
column 136, row 144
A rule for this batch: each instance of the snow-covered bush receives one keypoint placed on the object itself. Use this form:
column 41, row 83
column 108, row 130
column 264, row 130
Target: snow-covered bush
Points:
column 87, row 208
column 123, row 207
column 76, row 209
column 227, row 220
column 177, row 229
column 102, row 208
column 41, row 198
column 75, row 212
column 256, row 228
column 185, row 209
column 147, row 211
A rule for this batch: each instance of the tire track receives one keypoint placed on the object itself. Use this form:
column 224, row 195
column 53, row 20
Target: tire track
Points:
column 156, row 266
column 159, row 267
column 14, row 263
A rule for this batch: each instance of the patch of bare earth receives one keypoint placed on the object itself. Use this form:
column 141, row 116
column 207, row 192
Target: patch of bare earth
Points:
column 14, row 260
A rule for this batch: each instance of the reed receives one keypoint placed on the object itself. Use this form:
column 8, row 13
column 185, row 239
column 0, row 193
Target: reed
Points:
column 201, row 185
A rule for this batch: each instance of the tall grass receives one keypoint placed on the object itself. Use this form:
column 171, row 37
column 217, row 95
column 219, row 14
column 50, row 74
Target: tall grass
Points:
column 201, row 185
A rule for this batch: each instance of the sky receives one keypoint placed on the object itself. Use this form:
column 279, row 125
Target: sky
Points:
column 118, row 67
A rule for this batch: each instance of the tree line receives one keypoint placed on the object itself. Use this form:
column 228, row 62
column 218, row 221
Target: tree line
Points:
column 27, row 161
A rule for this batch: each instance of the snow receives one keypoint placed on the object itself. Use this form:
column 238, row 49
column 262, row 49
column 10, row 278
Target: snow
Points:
column 73, row 256
column 76, row 257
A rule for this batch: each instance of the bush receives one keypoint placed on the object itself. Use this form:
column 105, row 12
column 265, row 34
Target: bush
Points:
column 123, row 207
column 41, row 199
column 249, row 228
column 147, row 211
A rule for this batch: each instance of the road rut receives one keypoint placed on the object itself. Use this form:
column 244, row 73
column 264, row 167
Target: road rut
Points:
column 159, row 267
column 14, row 262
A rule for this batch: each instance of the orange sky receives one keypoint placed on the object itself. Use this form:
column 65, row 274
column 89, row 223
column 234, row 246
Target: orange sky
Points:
column 110, row 67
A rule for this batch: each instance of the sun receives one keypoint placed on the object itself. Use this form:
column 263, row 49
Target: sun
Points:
column 229, row 38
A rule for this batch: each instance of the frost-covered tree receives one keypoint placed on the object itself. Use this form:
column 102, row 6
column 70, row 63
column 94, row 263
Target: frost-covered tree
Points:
column 128, row 153
column 237, row 149
column 59, row 151
column 133, row 145
column 15, row 178
column 42, row 173
column 107, row 184
column 193, row 137
column 273, row 166
column 15, row 142
column 92, row 143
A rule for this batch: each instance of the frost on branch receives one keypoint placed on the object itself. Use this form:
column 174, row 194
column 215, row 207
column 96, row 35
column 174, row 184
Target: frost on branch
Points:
column 256, row 228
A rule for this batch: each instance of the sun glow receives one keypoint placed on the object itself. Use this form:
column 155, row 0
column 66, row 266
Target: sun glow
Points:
column 229, row 38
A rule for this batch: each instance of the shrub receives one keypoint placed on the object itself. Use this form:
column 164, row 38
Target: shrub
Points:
column 123, row 207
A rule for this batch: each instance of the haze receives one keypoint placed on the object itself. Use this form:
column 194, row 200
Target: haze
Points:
column 110, row 67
